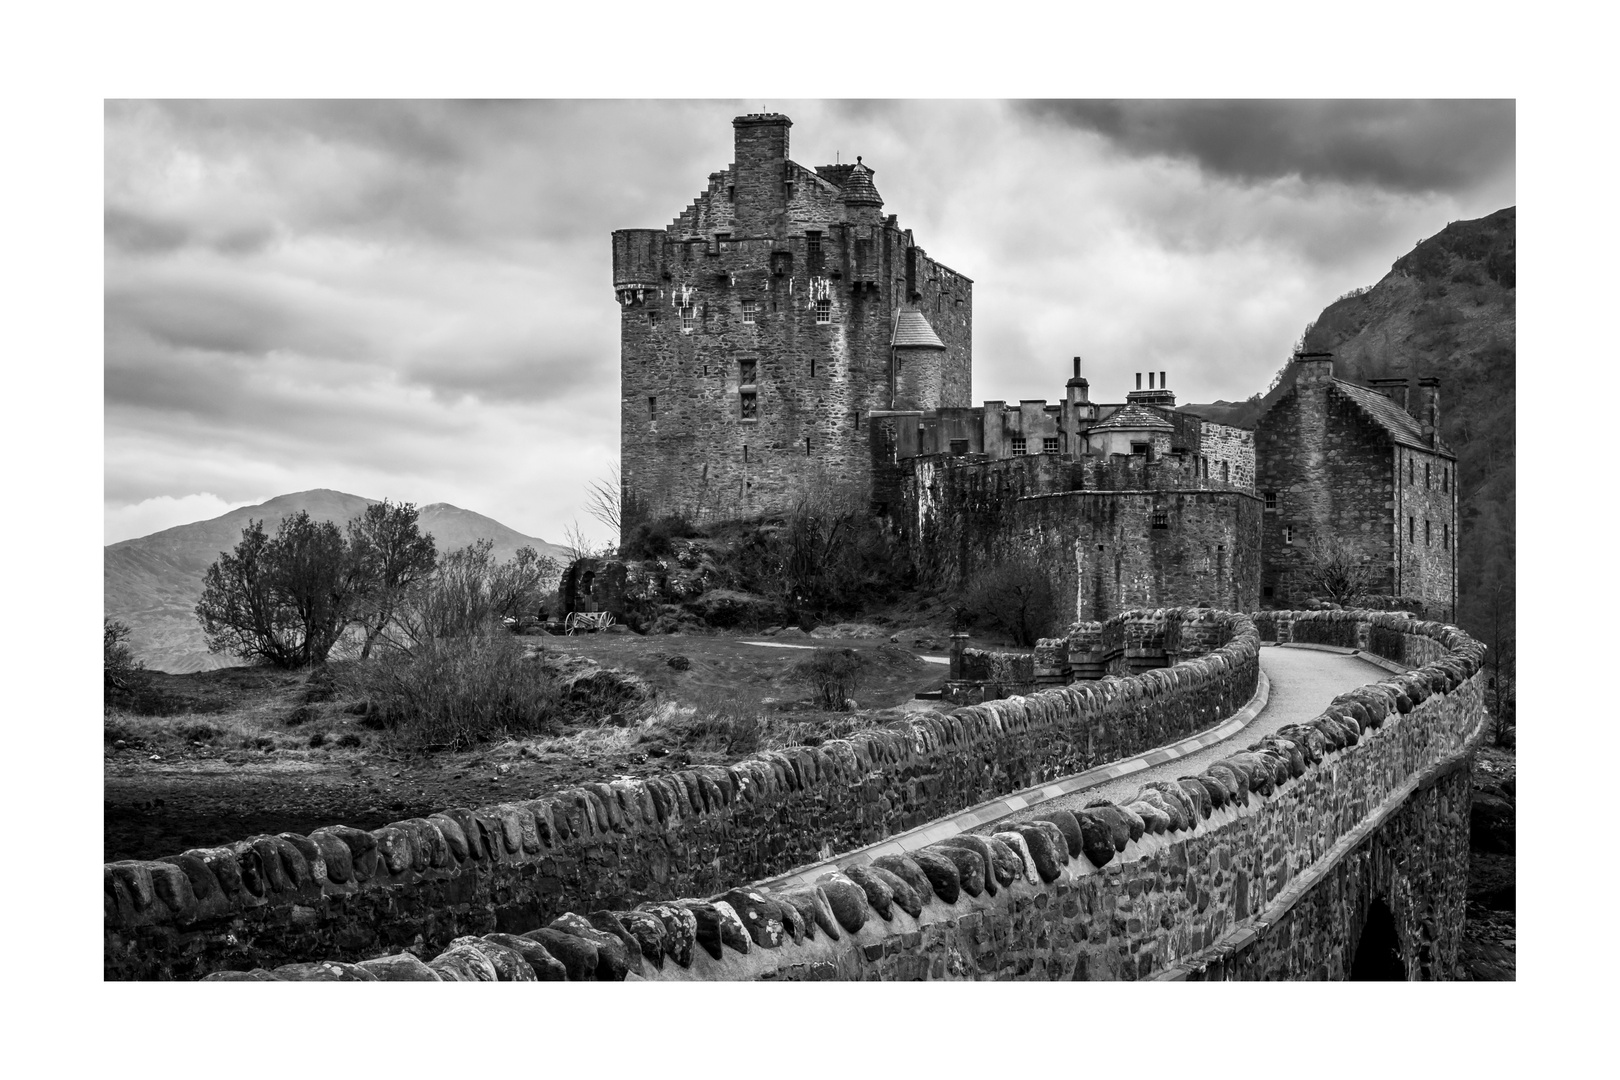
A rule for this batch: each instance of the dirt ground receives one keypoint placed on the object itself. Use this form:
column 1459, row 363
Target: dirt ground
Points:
column 236, row 758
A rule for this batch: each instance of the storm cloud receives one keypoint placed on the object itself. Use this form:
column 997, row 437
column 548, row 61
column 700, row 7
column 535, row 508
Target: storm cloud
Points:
column 413, row 299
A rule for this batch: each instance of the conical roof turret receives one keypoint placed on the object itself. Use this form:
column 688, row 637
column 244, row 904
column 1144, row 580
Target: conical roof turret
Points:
column 859, row 189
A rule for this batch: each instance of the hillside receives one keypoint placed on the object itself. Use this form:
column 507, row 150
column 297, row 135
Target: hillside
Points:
column 1445, row 309
column 153, row 582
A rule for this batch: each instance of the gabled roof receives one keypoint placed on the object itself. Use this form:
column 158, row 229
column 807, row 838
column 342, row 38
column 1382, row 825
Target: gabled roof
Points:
column 1401, row 425
column 911, row 331
column 1135, row 418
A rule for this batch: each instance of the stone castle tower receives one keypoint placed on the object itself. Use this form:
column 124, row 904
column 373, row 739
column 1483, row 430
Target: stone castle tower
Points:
column 761, row 329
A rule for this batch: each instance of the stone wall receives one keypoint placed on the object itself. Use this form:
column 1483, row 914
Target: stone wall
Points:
column 349, row 894
column 1274, row 863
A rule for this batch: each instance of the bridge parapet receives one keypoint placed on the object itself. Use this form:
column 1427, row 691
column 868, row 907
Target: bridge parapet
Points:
column 349, row 894
column 1269, row 864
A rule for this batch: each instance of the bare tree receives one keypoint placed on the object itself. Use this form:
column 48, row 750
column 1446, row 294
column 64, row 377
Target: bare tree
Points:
column 393, row 556
column 602, row 499
column 1337, row 570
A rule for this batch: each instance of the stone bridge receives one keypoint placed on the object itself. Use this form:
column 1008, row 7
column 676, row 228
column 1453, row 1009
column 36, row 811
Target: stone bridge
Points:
column 1246, row 813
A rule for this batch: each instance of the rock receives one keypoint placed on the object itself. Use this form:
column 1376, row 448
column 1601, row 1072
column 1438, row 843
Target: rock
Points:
column 814, row 910
column 1043, row 848
column 1123, row 826
column 1197, row 796
column 1178, row 799
column 679, row 663
column 608, row 923
column 680, row 930
column 905, row 897
column 793, row 923
column 1171, row 810
column 509, row 964
column 612, row 956
column 401, row 968
column 847, row 900
column 943, row 877
column 461, row 964
column 546, row 968
column 761, row 917
column 324, row 971
column 1235, row 783
column 1004, row 860
column 1155, row 819
column 1213, row 790
column 906, row 869
column 648, row 930
column 878, row 893
column 1026, row 862
column 1097, row 834
column 970, row 868
column 1069, row 826
column 980, row 845
column 578, row 956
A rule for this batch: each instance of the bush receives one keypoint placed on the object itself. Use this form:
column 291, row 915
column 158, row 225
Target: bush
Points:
column 123, row 676
column 1015, row 597
column 454, row 692
column 651, row 539
column 834, row 675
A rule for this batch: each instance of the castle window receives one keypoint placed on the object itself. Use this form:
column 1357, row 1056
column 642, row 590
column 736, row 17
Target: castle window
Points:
column 750, row 410
column 688, row 319
column 1049, row 446
column 747, row 371
column 1018, row 446
column 1145, row 449
column 1270, row 592
column 652, row 318
column 1271, row 500
column 1226, row 472
column 652, row 408
column 745, row 453
column 750, row 310
column 1161, row 519
column 812, row 244
column 1411, row 471
column 723, row 241
column 1445, row 480
column 807, row 446
column 1426, row 482
column 824, row 310
column 1411, row 530
column 1288, row 534
column 959, row 447
column 1428, row 532
column 812, row 367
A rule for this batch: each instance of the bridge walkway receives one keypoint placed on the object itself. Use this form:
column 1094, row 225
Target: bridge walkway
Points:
column 1302, row 682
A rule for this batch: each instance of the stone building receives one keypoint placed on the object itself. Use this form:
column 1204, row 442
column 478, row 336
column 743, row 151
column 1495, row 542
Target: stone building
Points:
column 1366, row 465
column 763, row 327
column 1127, row 504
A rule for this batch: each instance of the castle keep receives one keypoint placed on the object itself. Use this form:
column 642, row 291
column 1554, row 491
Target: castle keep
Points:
column 762, row 328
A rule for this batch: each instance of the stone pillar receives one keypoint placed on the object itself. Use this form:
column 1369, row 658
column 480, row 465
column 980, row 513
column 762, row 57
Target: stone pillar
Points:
column 959, row 642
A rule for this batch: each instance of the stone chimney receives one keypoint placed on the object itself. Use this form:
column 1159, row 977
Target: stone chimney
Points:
column 1395, row 389
column 1426, row 402
column 1079, row 388
column 1314, row 367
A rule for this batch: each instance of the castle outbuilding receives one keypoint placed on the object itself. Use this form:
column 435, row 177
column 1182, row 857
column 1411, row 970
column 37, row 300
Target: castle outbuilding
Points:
column 762, row 328
column 1363, row 466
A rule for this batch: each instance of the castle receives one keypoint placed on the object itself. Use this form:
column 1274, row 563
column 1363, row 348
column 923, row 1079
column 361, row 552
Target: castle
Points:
column 782, row 335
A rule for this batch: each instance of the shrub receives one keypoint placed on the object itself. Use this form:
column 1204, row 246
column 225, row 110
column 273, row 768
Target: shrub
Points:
column 123, row 676
column 1014, row 596
column 348, row 740
column 198, row 732
column 317, row 740
column 650, row 539
column 834, row 675
column 454, row 692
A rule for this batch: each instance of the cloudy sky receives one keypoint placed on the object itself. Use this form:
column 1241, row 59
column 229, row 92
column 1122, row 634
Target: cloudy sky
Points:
column 414, row 300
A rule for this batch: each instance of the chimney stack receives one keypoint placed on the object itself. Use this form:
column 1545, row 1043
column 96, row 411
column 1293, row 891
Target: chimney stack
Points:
column 1393, row 388
column 1427, row 401
column 1314, row 367
column 1079, row 388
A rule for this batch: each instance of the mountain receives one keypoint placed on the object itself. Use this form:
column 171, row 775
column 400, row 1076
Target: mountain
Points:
column 1445, row 309
column 153, row 582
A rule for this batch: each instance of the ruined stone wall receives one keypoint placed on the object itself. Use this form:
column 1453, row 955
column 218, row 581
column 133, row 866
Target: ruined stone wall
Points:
column 1266, row 866
column 348, row 894
column 1229, row 454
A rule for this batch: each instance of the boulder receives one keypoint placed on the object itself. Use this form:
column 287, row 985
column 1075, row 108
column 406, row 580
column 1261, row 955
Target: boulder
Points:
column 905, row 897
column 1043, row 848
column 1069, row 826
column 980, row 845
column 878, row 893
column 761, row 917
column 814, row 909
column 970, row 868
column 1097, row 833
column 943, row 877
column 906, row 869
column 546, row 968
column 680, row 930
column 847, row 900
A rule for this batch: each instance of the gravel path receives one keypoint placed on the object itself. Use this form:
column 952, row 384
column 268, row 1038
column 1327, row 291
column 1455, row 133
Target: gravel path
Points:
column 1303, row 681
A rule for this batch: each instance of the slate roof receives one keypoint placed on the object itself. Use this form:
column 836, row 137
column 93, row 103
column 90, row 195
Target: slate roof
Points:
column 858, row 186
column 911, row 331
column 1135, row 418
column 1401, row 425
